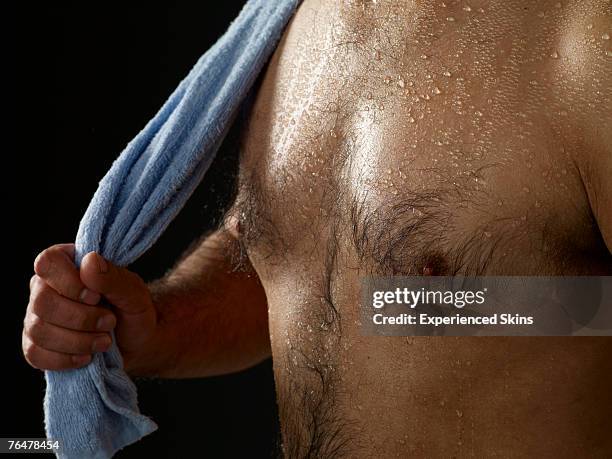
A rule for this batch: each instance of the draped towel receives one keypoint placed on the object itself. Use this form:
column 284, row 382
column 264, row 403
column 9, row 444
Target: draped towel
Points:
column 93, row 411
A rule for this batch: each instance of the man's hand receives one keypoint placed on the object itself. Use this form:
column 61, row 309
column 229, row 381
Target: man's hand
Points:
column 64, row 324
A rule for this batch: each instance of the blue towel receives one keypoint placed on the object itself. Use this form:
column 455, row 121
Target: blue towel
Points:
column 94, row 411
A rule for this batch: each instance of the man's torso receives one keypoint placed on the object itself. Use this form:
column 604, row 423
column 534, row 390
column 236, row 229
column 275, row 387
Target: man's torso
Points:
column 427, row 138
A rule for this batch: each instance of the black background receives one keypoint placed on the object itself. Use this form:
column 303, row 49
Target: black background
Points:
column 84, row 79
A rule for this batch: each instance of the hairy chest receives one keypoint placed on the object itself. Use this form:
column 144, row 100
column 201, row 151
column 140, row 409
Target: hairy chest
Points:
column 411, row 147
column 389, row 141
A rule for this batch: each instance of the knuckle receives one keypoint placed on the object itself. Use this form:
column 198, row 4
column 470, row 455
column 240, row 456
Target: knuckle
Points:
column 43, row 261
column 42, row 299
column 33, row 281
column 36, row 284
column 36, row 329
column 39, row 259
column 30, row 352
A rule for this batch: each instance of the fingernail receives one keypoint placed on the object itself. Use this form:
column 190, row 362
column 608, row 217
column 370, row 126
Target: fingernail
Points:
column 101, row 344
column 81, row 359
column 106, row 323
column 102, row 265
column 89, row 297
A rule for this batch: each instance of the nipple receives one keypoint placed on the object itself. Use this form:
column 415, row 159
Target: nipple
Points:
column 428, row 271
column 434, row 264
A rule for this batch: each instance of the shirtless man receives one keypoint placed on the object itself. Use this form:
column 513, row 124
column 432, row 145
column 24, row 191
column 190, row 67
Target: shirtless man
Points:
column 389, row 137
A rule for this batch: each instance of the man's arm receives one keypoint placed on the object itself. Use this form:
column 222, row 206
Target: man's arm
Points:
column 203, row 318
column 212, row 319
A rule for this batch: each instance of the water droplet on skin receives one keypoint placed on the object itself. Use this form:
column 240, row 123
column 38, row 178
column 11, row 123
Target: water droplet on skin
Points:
column 387, row 79
column 538, row 204
column 411, row 119
column 459, row 413
column 423, row 56
column 500, row 203
column 555, row 55
column 450, row 19
column 478, row 113
column 533, row 83
column 333, row 134
column 589, row 27
column 369, row 96
column 467, row 8
column 401, row 83
column 436, row 90
column 605, row 36
column 525, row 189
column 447, row 74
column 480, row 10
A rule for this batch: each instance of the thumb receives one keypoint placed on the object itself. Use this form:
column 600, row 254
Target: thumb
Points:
column 122, row 288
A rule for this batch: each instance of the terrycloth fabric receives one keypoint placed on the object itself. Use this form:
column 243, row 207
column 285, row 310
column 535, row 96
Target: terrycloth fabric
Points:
column 94, row 410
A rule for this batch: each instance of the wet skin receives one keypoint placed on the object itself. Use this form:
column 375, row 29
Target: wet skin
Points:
column 416, row 137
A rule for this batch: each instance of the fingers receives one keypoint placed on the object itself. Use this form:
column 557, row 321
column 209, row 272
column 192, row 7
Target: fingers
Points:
column 63, row 327
column 60, row 333
column 44, row 359
column 50, row 306
column 53, row 338
column 56, row 266
column 121, row 287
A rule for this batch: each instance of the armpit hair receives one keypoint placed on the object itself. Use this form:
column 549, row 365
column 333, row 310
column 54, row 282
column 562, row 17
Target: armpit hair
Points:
column 256, row 225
